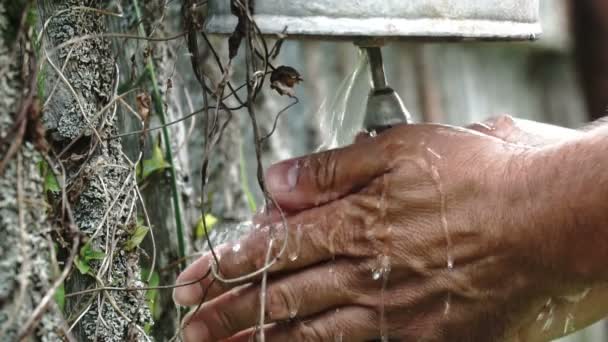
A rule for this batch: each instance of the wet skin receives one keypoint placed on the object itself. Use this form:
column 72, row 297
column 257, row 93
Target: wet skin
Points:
column 372, row 230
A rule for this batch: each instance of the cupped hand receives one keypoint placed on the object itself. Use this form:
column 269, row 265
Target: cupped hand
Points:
column 415, row 234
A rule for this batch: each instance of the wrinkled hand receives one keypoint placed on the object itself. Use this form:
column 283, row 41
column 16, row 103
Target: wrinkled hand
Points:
column 409, row 235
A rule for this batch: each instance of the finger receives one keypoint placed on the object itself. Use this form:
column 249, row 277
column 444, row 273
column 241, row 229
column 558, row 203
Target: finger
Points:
column 302, row 294
column 351, row 323
column 524, row 132
column 312, row 180
column 312, row 236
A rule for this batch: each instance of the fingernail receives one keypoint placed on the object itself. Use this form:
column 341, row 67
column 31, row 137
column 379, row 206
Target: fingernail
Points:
column 283, row 177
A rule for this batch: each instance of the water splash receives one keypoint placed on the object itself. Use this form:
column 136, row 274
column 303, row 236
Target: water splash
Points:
column 236, row 247
column 229, row 233
column 293, row 255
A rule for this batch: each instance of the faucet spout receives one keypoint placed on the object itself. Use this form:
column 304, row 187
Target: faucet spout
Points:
column 384, row 107
column 376, row 65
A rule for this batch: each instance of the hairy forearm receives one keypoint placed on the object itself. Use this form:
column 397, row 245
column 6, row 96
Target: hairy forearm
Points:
column 569, row 187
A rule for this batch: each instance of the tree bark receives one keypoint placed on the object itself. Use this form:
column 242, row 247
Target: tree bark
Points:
column 99, row 178
column 26, row 270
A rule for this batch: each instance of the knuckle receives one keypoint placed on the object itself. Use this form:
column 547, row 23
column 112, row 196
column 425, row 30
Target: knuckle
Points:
column 324, row 169
column 502, row 123
column 281, row 302
column 226, row 324
column 311, row 333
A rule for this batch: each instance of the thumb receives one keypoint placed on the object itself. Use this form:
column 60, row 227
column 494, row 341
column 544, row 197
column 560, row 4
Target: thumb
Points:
column 312, row 180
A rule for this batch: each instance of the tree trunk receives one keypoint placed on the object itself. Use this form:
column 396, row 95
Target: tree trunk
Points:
column 100, row 180
column 26, row 270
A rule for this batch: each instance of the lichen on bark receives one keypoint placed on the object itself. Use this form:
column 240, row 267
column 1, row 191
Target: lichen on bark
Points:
column 25, row 267
column 101, row 184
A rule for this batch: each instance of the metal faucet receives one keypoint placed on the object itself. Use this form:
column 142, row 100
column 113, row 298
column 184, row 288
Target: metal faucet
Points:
column 384, row 106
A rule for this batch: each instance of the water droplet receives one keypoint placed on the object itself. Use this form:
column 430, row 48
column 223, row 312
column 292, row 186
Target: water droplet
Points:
column 293, row 313
column 293, row 255
column 383, row 267
column 340, row 337
column 448, row 304
column 236, row 247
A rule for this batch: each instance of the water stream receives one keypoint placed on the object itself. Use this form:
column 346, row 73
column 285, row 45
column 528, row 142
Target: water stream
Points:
column 341, row 116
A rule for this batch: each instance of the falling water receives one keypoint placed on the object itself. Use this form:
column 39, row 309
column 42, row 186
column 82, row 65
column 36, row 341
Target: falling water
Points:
column 332, row 248
column 549, row 315
column 341, row 118
column 382, row 271
column 444, row 220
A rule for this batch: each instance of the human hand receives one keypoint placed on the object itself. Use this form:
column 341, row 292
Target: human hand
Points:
column 565, row 314
column 390, row 214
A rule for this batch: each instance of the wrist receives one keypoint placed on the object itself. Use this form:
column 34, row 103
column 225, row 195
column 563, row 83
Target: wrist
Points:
column 562, row 226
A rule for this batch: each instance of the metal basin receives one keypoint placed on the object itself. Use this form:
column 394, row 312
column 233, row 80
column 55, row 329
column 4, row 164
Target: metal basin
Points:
column 403, row 19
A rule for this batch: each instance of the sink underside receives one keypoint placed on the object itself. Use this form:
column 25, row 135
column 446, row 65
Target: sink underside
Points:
column 392, row 19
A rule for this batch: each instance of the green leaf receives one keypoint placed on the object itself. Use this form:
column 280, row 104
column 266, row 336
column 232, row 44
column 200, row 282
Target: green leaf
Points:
column 87, row 254
column 152, row 295
column 137, row 237
column 60, row 296
column 210, row 221
column 82, row 265
column 50, row 181
column 155, row 163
